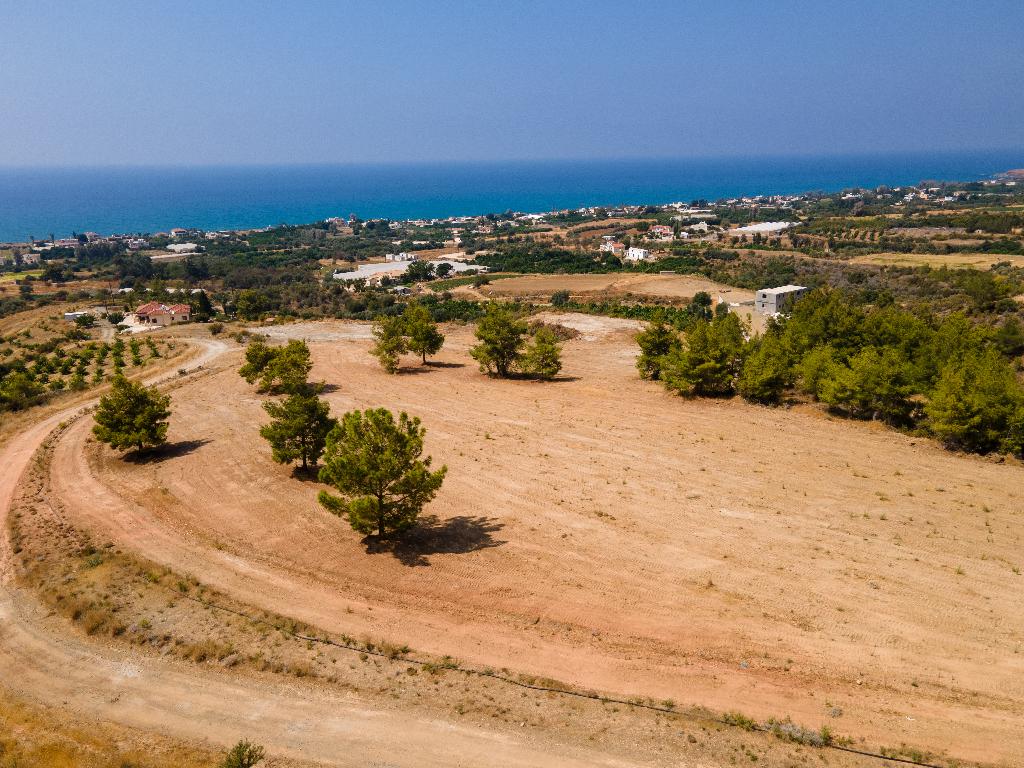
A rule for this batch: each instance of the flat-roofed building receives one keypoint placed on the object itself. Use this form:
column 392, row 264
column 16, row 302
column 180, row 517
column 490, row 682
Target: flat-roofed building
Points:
column 774, row 301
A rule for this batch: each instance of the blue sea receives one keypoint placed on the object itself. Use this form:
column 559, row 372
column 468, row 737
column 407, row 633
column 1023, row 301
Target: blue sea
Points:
column 40, row 202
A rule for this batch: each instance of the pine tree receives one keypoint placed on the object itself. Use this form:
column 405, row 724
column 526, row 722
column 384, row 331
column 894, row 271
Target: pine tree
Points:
column 656, row 340
column 877, row 383
column 709, row 361
column 278, row 369
column 501, row 335
column 389, row 342
column 375, row 464
column 977, row 404
column 542, row 358
column 767, row 371
column 422, row 334
column 299, row 428
column 132, row 416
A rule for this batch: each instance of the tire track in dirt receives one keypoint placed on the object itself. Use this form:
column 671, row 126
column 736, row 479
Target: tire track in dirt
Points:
column 162, row 696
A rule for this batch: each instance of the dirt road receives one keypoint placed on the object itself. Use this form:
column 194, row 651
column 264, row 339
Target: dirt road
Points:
column 599, row 531
column 39, row 662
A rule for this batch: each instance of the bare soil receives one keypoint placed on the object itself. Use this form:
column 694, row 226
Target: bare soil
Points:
column 665, row 286
column 598, row 531
column 966, row 260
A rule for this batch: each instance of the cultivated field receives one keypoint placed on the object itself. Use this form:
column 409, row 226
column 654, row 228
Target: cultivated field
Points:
column 601, row 532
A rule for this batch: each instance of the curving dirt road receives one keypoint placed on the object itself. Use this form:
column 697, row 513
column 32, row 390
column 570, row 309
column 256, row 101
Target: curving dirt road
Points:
column 335, row 729
column 709, row 552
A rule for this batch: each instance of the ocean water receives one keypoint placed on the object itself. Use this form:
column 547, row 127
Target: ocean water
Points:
column 38, row 202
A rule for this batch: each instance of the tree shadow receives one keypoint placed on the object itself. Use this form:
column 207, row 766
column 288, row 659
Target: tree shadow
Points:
column 165, row 451
column 323, row 388
column 307, row 475
column 442, row 364
column 431, row 536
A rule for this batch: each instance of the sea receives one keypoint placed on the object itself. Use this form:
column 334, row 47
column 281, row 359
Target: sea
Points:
column 38, row 202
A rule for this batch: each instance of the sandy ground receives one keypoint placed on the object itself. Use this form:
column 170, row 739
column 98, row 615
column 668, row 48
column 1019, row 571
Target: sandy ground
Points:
column 599, row 531
column 39, row 662
column 667, row 286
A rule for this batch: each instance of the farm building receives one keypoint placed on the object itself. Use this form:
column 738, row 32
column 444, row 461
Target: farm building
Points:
column 155, row 313
column 773, row 301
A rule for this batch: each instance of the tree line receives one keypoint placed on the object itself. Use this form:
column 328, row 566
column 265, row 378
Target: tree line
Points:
column 946, row 377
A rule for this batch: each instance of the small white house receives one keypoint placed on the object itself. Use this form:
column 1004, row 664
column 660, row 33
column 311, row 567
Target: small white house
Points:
column 637, row 254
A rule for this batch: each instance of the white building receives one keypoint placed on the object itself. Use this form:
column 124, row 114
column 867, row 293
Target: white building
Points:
column 637, row 254
column 773, row 301
column 182, row 247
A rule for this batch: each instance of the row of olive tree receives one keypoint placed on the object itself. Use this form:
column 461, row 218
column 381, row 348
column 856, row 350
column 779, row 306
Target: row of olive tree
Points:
column 947, row 376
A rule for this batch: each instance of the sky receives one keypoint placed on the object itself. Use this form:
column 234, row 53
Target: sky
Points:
column 228, row 82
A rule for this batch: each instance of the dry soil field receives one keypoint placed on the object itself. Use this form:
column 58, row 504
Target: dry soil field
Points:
column 601, row 532
column 965, row 260
column 665, row 286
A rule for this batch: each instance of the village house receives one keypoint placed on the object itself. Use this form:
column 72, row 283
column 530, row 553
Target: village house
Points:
column 661, row 232
column 155, row 313
column 638, row 254
column 611, row 245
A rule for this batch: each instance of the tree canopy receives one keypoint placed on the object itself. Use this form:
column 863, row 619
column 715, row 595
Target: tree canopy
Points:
column 277, row 369
column 132, row 416
column 299, row 427
column 375, row 465
column 501, row 334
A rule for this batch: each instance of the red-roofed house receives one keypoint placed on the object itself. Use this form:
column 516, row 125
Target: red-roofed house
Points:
column 155, row 313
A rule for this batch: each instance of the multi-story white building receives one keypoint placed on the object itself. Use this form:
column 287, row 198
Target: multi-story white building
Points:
column 637, row 254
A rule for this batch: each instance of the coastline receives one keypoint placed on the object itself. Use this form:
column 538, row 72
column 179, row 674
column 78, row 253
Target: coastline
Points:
column 40, row 201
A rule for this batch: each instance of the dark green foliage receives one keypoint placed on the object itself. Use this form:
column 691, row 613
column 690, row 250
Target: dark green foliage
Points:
column 278, row 369
column 876, row 383
column 709, row 360
column 501, row 333
column 656, row 341
column 814, row 370
column 880, row 362
column 243, row 755
column 389, row 342
column 978, row 404
column 132, row 416
column 767, row 370
column 257, row 357
column 299, row 427
column 422, row 334
column 543, row 356
column 19, row 390
column 560, row 298
column 419, row 271
column 375, row 465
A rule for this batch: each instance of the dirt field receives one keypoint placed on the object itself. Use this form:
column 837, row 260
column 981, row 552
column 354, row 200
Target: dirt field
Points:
column 965, row 260
column 666, row 286
column 599, row 531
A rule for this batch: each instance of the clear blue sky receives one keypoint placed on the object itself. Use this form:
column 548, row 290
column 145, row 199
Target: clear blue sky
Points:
column 225, row 81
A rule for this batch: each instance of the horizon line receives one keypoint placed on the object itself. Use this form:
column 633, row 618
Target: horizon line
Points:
column 519, row 161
